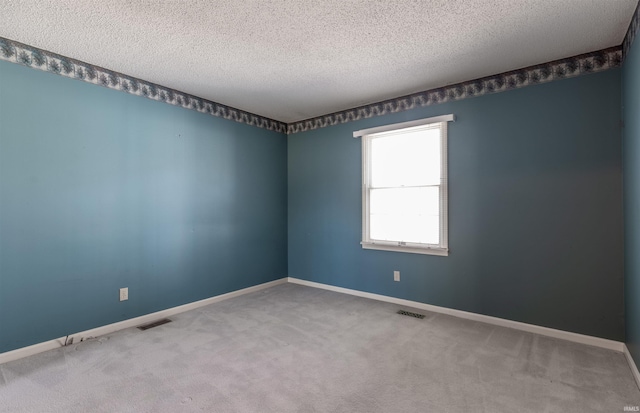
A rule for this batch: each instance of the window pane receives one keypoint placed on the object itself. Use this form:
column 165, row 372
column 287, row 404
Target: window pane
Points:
column 407, row 159
column 405, row 214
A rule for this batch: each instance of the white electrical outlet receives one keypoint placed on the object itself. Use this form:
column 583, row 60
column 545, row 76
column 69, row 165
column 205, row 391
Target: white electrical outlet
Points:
column 396, row 276
column 124, row 294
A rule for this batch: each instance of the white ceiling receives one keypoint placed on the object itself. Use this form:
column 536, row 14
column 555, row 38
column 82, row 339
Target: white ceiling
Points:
column 295, row 59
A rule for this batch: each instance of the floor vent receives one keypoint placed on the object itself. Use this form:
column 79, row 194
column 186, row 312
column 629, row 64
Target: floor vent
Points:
column 410, row 314
column 154, row 324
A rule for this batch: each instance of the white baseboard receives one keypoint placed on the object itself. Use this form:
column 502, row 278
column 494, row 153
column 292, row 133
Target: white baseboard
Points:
column 132, row 322
column 632, row 366
column 531, row 328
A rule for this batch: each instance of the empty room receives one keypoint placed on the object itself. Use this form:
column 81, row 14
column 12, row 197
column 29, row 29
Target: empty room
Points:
column 334, row 206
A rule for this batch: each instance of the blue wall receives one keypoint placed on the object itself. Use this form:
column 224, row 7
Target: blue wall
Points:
column 535, row 212
column 101, row 190
column 631, row 143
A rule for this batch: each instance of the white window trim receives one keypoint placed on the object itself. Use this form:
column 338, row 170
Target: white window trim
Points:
column 402, row 125
column 443, row 248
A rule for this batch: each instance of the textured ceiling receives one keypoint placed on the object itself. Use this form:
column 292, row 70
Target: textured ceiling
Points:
column 295, row 59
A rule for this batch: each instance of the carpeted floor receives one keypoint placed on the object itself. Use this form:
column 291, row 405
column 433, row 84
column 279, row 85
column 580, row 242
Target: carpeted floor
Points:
column 299, row 349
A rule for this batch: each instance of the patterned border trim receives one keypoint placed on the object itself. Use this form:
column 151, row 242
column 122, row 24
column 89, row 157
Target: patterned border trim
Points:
column 39, row 59
column 631, row 32
column 559, row 69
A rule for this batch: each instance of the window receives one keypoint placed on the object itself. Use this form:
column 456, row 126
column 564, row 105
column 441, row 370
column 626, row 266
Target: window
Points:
column 404, row 187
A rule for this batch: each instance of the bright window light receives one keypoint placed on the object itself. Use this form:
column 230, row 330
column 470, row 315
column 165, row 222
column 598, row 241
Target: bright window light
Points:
column 405, row 189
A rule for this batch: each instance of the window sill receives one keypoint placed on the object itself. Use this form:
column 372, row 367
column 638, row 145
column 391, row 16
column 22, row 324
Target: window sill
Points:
column 443, row 252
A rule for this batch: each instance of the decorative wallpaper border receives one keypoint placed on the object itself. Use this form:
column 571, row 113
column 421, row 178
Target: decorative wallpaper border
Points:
column 39, row 59
column 547, row 72
column 631, row 32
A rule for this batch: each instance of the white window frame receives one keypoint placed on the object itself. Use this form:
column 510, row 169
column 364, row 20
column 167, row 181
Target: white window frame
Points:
column 367, row 135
